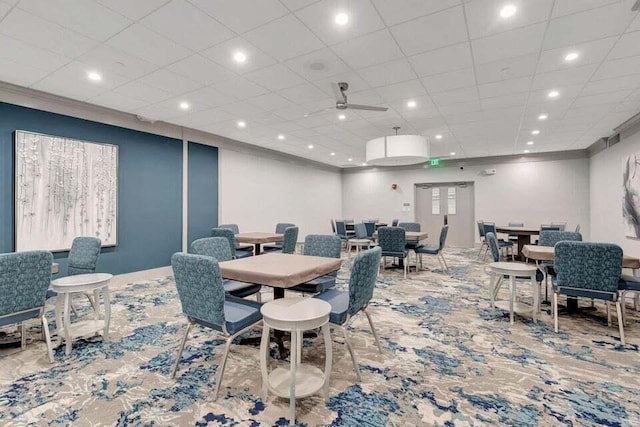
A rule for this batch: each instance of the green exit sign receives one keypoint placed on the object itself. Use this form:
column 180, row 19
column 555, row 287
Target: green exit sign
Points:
column 434, row 162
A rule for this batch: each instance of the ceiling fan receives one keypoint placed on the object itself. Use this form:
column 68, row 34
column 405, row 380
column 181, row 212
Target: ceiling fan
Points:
column 341, row 101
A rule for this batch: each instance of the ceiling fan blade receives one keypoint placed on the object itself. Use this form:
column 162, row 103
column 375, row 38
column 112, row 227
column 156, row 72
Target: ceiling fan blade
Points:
column 313, row 113
column 366, row 107
column 338, row 93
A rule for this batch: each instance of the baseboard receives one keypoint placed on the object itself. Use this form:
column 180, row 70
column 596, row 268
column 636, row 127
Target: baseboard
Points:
column 121, row 280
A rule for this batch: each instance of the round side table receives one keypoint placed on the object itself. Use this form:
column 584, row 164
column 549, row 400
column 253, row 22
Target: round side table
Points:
column 295, row 315
column 513, row 270
column 81, row 283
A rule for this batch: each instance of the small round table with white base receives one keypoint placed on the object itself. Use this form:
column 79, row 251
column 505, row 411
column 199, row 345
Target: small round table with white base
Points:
column 65, row 287
column 295, row 315
column 514, row 270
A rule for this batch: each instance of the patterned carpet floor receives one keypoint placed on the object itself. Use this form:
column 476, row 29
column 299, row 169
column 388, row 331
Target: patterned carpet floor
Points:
column 449, row 360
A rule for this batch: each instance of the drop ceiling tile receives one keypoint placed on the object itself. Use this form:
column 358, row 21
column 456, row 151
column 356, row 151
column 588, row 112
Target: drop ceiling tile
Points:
column 240, row 88
column 223, row 55
column 319, row 18
column 628, row 83
column 170, row 82
column 44, row 34
column 628, row 45
column 201, row 70
column 464, row 95
column 404, row 90
column 483, row 16
column 318, row 65
column 510, row 44
column 504, row 101
column 241, row 110
column 388, row 73
column 143, row 92
column 590, row 53
column 19, row 74
column 431, row 32
column 305, row 92
column 567, row 7
column 143, row 43
column 511, row 68
column 602, row 98
column 397, row 11
column 635, row 25
column 275, row 77
column 4, row 10
column 117, row 101
column 270, row 101
column 618, row 67
column 564, row 77
column 442, row 60
column 164, row 110
column 78, row 16
column 105, row 59
column 464, row 77
column 133, row 9
column 202, row 118
column 186, row 25
column 242, row 15
column 365, row 51
column 208, row 96
column 295, row 40
column 589, row 25
column 423, row 102
column 504, row 87
column 24, row 54
column 356, row 83
column 294, row 5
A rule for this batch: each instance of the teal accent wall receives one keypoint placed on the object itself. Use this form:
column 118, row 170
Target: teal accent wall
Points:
column 203, row 190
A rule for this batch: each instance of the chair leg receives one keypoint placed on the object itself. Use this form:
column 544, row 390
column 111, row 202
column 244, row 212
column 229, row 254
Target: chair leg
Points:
column 608, row 314
column 221, row 366
column 406, row 264
column 259, row 296
column 620, row 322
column 373, row 330
column 353, row 356
column 555, row 312
column 624, row 307
column 184, row 340
column 23, row 335
column 444, row 261
column 47, row 337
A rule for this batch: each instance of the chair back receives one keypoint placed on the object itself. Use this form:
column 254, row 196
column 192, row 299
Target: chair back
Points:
column 410, row 226
column 481, row 229
column 551, row 237
column 349, row 221
column 83, row 256
column 578, row 228
column 290, row 240
column 561, row 225
column 227, row 233
column 323, row 245
column 516, row 224
column 443, row 236
column 492, row 242
column 215, row 247
column 549, row 227
column 489, row 227
column 361, row 231
column 341, row 229
column 364, row 273
column 587, row 265
column 392, row 239
column 333, row 225
column 395, row 222
column 282, row 226
column 370, row 226
column 24, row 279
column 200, row 287
column 232, row 227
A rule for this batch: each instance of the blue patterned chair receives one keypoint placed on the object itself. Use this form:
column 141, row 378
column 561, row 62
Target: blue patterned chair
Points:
column 490, row 227
column 345, row 305
column 236, row 230
column 588, row 270
column 483, row 242
column 218, row 248
column 628, row 284
column 512, row 237
column 393, row 242
column 325, row 246
column 341, row 231
column 395, row 222
column 290, row 241
column 204, row 302
column 277, row 246
column 24, row 279
column 436, row 250
column 228, row 234
column 550, row 238
column 359, row 240
column 412, row 227
column 370, row 226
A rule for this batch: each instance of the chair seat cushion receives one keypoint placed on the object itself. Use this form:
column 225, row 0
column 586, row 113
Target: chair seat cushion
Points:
column 427, row 250
column 272, row 247
column 238, row 313
column 629, row 283
column 243, row 254
column 16, row 318
column 316, row 285
column 402, row 254
column 247, row 247
column 583, row 293
column 504, row 244
column 339, row 305
column 51, row 293
column 240, row 289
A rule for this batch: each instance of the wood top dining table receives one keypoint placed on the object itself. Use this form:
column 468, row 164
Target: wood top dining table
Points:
column 546, row 253
column 258, row 238
column 523, row 233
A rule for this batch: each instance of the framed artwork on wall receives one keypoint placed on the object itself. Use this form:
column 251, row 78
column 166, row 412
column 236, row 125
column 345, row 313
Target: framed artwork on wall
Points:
column 631, row 195
column 64, row 188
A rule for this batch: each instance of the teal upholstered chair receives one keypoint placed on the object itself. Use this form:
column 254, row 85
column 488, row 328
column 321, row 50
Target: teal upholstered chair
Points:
column 513, row 237
column 344, row 306
column 490, row 227
column 360, row 239
column 290, row 241
column 236, row 230
column 628, row 284
column 483, row 242
column 218, row 248
column 228, row 234
column 437, row 251
column 24, row 279
column 370, row 226
column 280, row 229
column 341, row 231
column 205, row 303
column 393, row 242
column 588, row 270
column 410, row 226
column 550, row 238
column 324, row 246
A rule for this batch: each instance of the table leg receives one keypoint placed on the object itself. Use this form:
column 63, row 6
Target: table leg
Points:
column 107, row 312
column 256, row 248
column 67, row 323
column 264, row 360
column 328, row 358
column 59, row 314
column 292, row 384
column 523, row 239
column 536, row 297
column 512, row 296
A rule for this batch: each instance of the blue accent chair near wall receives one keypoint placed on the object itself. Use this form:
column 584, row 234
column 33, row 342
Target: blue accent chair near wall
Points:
column 588, row 270
column 490, row 227
column 393, row 243
column 205, row 303
column 437, row 251
column 412, row 227
column 24, row 279
column 228, row 234
column 218, row 248
column 341, row 231
column 324, row 246
column 344, row 306
column 370, row 226
column 359, row 240
column 280, row 229
column 290, row 240
column 236, row 230
column 483, row 242
column 550, row 238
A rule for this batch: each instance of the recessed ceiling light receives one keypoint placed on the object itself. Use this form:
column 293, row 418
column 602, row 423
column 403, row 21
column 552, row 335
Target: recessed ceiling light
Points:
column 535, row 132
column 453, row 153
column 342, row 117
column 543, row 117
column 310, row 146
column 526, row 151
column 242, row 124
column 571, row 56
column 184, row 105
column 341, row 19
column 281, row 137
column 438, row 136
column 94, row 76
column 529, row 142
column 553, row 94
column 364, row 164
column 508, row 11
column 349, row 159
column 240, row 57
column 411, row 104
column 333, row 154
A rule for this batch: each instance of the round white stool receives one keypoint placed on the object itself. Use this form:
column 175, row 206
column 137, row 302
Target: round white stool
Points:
column 513, row 270
column 295, row 315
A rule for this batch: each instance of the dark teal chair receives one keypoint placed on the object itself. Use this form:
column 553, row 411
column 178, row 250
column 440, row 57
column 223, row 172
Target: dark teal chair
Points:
column 290, row 241
column 228, row 234
column 277, row 246
column 393, row 243
column 437, row 251
column 236, row 230
column 324, row 246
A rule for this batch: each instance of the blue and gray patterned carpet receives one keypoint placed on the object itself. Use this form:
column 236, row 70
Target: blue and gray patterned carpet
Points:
column 449, row 361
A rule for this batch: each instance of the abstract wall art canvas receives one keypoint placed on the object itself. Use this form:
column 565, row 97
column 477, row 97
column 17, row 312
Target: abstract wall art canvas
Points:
column 631, row 195
column 64, row 188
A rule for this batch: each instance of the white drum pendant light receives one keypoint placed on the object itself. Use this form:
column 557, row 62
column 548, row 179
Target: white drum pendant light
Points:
column 397, row 150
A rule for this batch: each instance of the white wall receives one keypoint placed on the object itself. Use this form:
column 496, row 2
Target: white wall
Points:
column 606, row 195
column 258, row 192
column 535, row 192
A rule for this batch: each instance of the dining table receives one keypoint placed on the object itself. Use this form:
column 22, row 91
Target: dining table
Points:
column 258, row 238
column 410, row 236
column 522, row 233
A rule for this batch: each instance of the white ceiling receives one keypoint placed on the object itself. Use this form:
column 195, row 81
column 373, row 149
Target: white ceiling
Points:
column 478, row 80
